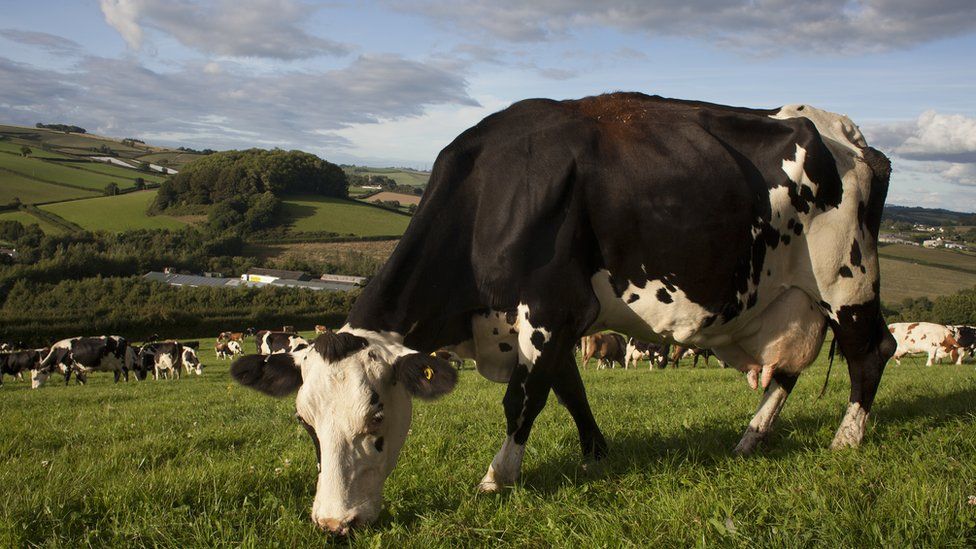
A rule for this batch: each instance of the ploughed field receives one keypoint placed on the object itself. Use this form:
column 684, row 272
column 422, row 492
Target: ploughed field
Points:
column 205, row 462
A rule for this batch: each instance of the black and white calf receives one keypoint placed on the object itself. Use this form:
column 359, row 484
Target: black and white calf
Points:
column 14, row 363
column 966, row 340
column 653, row 353
column 748, row 232
column 228, row 349
column 269, row 342
column 82, row 355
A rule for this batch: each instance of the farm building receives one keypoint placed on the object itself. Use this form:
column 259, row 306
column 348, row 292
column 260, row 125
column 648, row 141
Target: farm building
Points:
column 270, row 275
column 175, row 279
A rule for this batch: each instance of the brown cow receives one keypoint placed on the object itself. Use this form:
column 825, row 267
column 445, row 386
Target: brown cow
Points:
column 608, row 347
column 230, row 336
column 320, row 329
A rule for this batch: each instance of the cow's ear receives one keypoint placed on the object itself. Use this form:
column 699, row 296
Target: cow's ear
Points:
column 276, row 375
column 336, row 346
column 425, row 376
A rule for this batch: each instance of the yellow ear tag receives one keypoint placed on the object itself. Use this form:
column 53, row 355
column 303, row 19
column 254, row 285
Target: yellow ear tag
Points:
column 434, row 354
column 428, row 373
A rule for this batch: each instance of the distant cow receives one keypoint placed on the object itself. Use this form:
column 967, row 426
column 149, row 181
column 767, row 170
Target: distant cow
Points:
column 81, row 355
column 935, row 340
column 228, row 349
column 168, row 359
column 270, row 343
column 682, row 351
column 641, row 350
column 966, row 339
column 140, row 360
column 608, row 347
column 190, row 361
column 230, row 336
column 320, row 329
column 13, row 363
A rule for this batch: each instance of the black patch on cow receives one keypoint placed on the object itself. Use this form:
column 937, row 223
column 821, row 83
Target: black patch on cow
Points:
column 504, row 347
column 378, row 444
column 425, row 376
column 826, row 306
column 512, row 331
column 790, row 223
column 275, row 375
column 619, row 286
column 797, row 229
column 845, row 272
column 374, row 397
column 538, row 339
column 876, row 287
column 769, row 272
column 632, row 298
column 753, row 298
column 709, row 320
column 511, row 317
column 336, row 346
column 786, row 239
column 494, row 331
column 663, row 296
column 855, row 254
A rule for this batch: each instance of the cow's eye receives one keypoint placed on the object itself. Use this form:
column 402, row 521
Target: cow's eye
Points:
column 374, row 422
column 372, row 356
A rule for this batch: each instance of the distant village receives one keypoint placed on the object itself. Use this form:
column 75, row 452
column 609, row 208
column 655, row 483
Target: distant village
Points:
column 929, row 236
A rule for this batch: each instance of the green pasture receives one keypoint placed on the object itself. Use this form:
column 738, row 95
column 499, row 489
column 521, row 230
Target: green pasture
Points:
column 13, row 147
column 175, row 159
column 31, row 191
column 114, row 213
column 203, row 462
column 901, row 279
column 402, row 176
column 117, row 172
column 345, row 217
column 927, row 256
column 59, row 173
column 25, row 219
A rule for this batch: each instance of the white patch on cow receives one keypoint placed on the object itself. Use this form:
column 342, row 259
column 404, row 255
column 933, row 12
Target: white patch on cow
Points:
column 528, row 352
column 335, row 399
column 491, row 333
column 505, row 467
column 851, row 429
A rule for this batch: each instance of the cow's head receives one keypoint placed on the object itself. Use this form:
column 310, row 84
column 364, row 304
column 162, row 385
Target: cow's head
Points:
column 354, row 399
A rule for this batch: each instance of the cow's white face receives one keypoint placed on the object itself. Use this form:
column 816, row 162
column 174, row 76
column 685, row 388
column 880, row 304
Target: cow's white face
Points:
column 38, row 377
column 191, row 361
column 354, row 399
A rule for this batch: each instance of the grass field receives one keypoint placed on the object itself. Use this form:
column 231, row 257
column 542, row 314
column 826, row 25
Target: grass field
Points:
column 119, row 172
column 402, row 176
column 31, row 191
column 912, row 271
column 323, row 214
column 36, row 151
column 114, row 213
column 174, row 159
column 926, row 256
column 72, row 143
column 202, row 462
column 25, row 219
column 58, row 173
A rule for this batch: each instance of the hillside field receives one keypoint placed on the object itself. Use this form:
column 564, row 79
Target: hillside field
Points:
column 203, row 462
column 25, row 219
column 309, row 214
column 32, row 191
column 114, row 213
column 403, row 176
column 913, row 271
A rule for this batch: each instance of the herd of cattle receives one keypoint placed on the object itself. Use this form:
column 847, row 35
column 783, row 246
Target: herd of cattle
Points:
column 169, row 359
column 80, row 356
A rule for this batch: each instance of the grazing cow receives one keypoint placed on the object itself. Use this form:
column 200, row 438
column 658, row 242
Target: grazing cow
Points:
column 269, row 343
column 140, row 360
column 935, row 340
column 13, row 363
column 682, row 351
column 230, row 336
column 190, row 361
column 965, row 337
column 168, row 359
column 82, row 355
column 320, row 329
column 607, row 348
column 228, row 350
column 748, row 232
column 654, row 353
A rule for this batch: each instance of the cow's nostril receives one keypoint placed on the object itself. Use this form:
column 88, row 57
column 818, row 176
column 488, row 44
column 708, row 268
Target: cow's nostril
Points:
column 335, row 526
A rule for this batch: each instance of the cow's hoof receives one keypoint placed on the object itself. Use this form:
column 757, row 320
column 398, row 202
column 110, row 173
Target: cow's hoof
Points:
column 843, row 441
column 490, row 487
column 749, row 442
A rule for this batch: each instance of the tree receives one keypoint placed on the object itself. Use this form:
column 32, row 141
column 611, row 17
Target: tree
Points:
column 111, row 189
column 144, row 167
column 25, row 151
column 140, row 183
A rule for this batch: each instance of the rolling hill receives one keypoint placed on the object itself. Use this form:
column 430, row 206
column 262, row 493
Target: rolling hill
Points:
column 319, row 214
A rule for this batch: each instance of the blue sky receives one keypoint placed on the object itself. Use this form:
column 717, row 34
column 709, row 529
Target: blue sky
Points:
column 391, row 83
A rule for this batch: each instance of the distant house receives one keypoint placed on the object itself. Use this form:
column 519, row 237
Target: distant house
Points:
column 268, row 276
column 193, row 281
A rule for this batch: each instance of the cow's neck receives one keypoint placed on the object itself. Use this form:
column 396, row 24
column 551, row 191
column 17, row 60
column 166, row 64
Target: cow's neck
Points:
column 424, row 292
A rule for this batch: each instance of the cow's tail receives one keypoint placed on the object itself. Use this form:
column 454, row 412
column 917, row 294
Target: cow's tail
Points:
column 830, row 364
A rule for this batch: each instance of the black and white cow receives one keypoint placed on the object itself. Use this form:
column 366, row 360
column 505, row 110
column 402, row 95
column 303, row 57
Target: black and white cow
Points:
column 749, row 232
column 229, row 349
column 82, row 355
column 966, row 339
column 14, row 363
column 141, row 360
column 269, row 342
column 191, row 363
column 654, row 353
column 168, row 359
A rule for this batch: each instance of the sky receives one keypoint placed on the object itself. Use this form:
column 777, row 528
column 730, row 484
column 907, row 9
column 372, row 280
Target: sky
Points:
column 386, row 83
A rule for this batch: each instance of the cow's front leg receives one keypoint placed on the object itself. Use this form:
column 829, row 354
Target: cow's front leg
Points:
column 568, row 386
column 772, row 403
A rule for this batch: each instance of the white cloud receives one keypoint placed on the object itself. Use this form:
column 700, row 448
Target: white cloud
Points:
column 941, row 137
column 52, row 44
column 235, row 28
column 963, row 174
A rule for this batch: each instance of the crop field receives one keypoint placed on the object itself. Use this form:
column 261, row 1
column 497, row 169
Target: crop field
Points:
column 324, row 214
column 926, row 256
column 31, row 191
column 203, row 462
column 114, row 213
column 175, row 159
column 399, row 197
column 25, row 219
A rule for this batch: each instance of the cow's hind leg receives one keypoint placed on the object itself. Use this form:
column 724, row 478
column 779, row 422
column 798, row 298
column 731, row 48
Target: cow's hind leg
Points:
column 770, row 406
column 866, row 343
column 568, row 387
